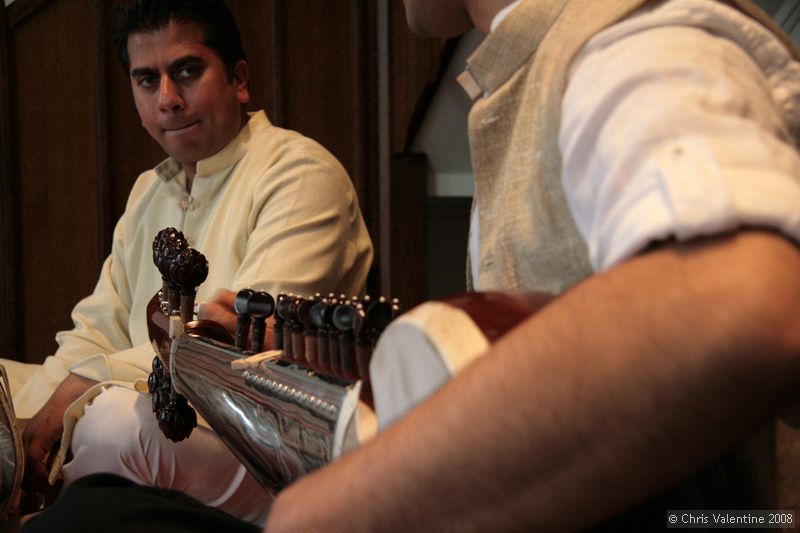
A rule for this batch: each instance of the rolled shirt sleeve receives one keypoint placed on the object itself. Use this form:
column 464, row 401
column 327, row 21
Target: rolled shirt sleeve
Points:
column 677, row 123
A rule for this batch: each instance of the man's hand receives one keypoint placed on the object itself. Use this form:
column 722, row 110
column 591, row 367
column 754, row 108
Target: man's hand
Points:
column 220, row 310
column 44, row 430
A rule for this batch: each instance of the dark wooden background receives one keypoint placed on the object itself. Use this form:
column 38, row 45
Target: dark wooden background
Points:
column 347, row 73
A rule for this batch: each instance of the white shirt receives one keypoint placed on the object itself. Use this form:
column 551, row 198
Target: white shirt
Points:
column 716, row 101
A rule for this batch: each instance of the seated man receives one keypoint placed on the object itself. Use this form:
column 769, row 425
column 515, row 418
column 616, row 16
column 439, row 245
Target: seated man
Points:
column 269, row 208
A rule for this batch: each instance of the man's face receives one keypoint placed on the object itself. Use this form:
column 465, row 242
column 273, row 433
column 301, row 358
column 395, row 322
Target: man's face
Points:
column 437, row 18
column 183, row 94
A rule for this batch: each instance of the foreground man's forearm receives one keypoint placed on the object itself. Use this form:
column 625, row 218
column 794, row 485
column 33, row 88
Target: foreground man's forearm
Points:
column 625, row 385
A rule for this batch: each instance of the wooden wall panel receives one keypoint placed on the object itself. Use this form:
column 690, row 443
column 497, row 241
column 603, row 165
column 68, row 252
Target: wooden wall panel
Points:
column 256, row 21
column 8, row 316
column 53, row 111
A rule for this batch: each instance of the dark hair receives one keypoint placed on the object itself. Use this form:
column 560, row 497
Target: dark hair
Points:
column 144, row 16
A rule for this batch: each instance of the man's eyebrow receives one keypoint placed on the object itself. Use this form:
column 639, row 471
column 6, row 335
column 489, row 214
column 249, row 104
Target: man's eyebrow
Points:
column 175, row 65
column 185, row 60
column 143, row 71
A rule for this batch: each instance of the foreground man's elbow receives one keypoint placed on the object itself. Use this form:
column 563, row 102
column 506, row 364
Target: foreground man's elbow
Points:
column 765, row 304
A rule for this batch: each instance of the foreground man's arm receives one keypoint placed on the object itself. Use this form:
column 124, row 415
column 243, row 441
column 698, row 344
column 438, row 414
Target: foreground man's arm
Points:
column 626, row 384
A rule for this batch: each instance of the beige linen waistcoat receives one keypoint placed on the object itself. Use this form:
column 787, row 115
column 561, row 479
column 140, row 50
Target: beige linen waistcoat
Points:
column 528, row 239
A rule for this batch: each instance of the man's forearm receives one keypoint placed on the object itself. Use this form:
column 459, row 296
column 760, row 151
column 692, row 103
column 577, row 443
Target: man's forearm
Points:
column 44, row 430
column 623, row 386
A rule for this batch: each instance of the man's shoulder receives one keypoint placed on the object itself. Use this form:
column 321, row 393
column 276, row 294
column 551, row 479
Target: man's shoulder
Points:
column 274, row 145
column 266, row 133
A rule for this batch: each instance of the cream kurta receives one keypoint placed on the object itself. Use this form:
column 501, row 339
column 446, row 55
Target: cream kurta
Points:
column 273, row 211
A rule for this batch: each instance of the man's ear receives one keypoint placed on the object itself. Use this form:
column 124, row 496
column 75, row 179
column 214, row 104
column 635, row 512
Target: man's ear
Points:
column 241, row 74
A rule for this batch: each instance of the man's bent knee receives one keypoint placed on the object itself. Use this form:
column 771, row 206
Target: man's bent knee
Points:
column 113, row 435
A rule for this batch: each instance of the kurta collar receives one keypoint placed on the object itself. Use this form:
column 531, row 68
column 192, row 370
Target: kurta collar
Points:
column 505, row 50
column 225, row 158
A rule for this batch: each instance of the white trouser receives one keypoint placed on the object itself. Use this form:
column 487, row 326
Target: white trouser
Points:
column 119, row 434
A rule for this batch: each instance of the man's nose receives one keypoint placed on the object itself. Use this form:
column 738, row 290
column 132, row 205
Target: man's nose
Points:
column 169, row 96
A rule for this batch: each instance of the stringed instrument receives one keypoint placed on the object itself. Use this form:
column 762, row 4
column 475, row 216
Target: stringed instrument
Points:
column 283, row 411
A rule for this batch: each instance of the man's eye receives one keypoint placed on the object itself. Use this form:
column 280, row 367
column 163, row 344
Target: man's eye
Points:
column 147, row 82
column 188, row 72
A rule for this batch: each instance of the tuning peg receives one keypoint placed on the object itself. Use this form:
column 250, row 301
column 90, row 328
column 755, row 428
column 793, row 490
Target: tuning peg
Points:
column 260, row 306
column 189, row 269
column 177, row 419
column 343, row 320
column 307, row 331
column 277, row 337
column 242, row 318
column 295, row 329
column 284, row 312
column 333, row 338
column 320, row 317
column 166, row 246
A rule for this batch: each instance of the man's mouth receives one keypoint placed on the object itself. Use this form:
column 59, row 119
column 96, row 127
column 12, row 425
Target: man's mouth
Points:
column 180, row 127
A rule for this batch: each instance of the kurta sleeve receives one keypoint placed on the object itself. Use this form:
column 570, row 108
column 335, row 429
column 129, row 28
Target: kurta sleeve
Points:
column 306, row 230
